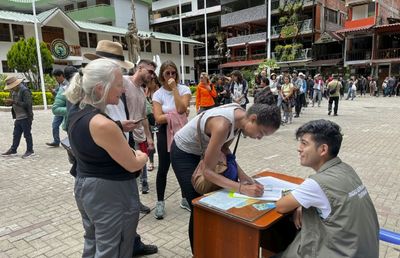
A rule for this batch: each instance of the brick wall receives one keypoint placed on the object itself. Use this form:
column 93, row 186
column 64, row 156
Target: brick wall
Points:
column 386, row 9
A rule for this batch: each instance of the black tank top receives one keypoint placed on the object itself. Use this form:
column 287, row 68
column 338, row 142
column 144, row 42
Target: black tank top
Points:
column 92, row 160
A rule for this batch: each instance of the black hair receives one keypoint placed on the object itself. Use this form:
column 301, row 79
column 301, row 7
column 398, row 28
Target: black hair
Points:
column 323, row 132
column 265, row 96
column 267, row 115
column 69, row 72
column 57, row 72
column 147, row 62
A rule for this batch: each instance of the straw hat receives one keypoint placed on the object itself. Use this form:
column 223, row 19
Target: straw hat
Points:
column 111, row 50
column 301, row 74
column 11, row 82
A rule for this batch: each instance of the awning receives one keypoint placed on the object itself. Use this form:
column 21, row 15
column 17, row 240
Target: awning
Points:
column 241, row 63
column 328, row 62
column 394, row 27
column 361, row 28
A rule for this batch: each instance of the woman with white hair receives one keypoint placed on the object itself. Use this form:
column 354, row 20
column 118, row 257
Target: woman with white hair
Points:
column 106, row 192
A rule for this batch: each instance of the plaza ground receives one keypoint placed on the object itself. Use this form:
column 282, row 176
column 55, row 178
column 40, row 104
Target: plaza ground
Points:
column 39, row 218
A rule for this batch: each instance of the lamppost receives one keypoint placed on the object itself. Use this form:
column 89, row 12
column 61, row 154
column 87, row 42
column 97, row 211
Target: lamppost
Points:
column 39, row 55
column 181, row 42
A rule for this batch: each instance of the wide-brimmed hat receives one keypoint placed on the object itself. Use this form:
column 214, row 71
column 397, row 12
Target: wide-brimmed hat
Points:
column 301, row 74
column 112, row 50
column 11, row 82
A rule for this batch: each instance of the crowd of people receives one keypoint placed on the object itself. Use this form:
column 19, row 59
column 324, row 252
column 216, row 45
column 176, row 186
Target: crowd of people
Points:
column 111, row 117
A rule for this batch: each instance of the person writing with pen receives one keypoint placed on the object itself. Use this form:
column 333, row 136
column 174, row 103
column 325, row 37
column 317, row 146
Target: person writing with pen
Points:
column 218, row 128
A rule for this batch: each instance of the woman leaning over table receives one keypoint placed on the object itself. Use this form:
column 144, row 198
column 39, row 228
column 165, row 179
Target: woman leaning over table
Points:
column 105, row 186
column 219, row 126
column 205, row 94
column 170, row 104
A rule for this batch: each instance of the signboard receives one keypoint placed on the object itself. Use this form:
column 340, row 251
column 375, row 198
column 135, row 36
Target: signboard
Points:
column 59, row 48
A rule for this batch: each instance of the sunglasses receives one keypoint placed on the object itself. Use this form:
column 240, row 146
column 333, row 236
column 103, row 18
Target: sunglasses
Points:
column 168, row 73
column 151, row 72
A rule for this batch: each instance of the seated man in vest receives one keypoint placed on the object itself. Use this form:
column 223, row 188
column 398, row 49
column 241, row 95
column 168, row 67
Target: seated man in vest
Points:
column 332, row 208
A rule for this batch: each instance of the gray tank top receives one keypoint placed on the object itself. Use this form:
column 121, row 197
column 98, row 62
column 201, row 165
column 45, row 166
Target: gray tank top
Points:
column 186, row 138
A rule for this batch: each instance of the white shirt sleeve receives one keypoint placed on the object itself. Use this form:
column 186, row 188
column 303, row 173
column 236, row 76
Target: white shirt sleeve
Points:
column 184, row 90
column 309, row 194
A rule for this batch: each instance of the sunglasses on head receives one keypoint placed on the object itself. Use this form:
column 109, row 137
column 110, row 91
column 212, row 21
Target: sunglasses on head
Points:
column 170, row 73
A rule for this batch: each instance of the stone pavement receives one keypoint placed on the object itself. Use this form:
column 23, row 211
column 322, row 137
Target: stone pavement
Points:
column 39, row 218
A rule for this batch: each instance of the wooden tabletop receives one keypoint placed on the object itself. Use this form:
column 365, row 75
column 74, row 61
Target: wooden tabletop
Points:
column 263, row 221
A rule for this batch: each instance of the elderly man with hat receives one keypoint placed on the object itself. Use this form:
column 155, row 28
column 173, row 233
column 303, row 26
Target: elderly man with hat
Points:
column 122, row 112
column 21, row 110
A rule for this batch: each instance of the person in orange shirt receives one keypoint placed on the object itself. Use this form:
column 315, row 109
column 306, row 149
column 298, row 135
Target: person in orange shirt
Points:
column 205, row 94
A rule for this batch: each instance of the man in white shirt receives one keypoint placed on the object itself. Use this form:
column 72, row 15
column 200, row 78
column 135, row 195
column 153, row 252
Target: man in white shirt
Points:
column 333, row 210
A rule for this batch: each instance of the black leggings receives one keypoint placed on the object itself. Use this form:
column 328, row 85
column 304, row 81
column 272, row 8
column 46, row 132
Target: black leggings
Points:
column 184, row 164
column 163, row 162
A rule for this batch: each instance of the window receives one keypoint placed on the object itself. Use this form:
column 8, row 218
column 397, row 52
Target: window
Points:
column 82, row 4
column 107, row 2
column 363, row 11
column 186, row 49
column 169, row 48
column 162, row 46
column 6, row 69
column 69, row 7
column 92, row 40
column 187, row 69
column 124, row 44
column 145, row 46
column 5, row 32
column 18, row 32
column 83, row 39
column 331, row 16
column 371, row 9
column 165, row 47
column 186, row 8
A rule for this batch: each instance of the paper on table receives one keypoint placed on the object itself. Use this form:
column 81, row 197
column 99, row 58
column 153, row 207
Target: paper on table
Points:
column 221, row 200
column 273, row 188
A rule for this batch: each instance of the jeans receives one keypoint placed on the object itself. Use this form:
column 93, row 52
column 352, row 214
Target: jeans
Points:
column 317, row 96
column 184, row 164
column 22, row 126
column 57, row 121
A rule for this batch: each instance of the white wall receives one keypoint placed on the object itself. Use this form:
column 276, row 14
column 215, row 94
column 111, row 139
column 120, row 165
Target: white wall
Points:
column 123, row 14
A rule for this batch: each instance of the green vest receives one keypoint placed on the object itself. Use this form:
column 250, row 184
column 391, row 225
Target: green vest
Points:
column 350, row 230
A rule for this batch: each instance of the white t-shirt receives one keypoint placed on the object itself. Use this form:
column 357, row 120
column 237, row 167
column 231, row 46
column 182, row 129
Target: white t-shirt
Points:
column 309, row 194
column 166, row 98
column 117, row 113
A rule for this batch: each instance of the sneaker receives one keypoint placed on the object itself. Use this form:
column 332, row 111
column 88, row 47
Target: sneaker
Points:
column 145, row 187
column 27, row 154
column 184, row 204
column 329, row 113
column 160, row 210
column 10, row 152
column 144, row 209
column 52, row 144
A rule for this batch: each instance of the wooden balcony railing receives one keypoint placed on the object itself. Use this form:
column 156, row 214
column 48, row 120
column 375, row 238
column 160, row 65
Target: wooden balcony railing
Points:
column 388, row 53
column 358, row 55
column 329, row 56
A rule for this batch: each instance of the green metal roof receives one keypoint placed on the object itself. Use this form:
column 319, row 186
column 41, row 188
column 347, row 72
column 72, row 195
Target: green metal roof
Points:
column 28, row 18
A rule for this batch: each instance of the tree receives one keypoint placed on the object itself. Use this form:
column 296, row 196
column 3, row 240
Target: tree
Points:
column 23, row 58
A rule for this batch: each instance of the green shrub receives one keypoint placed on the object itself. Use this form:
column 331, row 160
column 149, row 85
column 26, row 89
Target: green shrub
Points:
column 193, row 89
column 37, row 98
column 2, row 81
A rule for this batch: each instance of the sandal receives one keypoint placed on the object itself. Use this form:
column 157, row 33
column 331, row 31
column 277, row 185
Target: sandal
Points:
column 150, row 167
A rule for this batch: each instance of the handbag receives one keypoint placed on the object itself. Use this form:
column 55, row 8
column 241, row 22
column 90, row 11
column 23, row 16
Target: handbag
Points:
column 333, row 91
column 226, row 166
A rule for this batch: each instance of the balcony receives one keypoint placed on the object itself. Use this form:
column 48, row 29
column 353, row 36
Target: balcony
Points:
column 252, row 57
column 241, row 40
column 303, row 54
column 255, row 13
column 306, row 26
column 389, row 53
column 275, row 4
column 96, row 13
column 329, row 56
column 356, row 55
